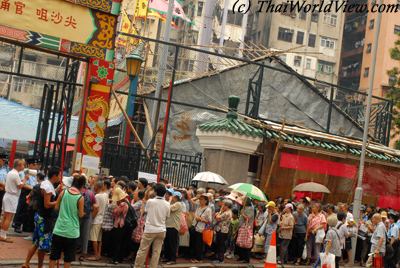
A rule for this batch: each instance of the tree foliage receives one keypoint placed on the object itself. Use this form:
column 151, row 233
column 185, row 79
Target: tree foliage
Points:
column 394, row 91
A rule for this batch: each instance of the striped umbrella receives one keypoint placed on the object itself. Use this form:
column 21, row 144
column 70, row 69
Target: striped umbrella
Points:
column 249, row 190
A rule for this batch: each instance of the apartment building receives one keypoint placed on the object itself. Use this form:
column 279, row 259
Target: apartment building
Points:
column 27, row 91
column 389, row 34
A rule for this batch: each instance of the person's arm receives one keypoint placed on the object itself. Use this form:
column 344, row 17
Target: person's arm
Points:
column 379, row 245
column 95, row 210
column 81, row 211
column 20, row 184
column 328, row 246
column 47, row 200
column 2, row 186
column 58, row 202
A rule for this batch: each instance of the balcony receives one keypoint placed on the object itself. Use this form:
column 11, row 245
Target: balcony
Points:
column 352, row 52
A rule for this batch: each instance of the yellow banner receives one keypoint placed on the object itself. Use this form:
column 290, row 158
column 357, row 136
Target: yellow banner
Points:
column 56, row 18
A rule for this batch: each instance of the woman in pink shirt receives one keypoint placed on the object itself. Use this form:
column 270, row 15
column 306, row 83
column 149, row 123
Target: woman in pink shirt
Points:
column 316, row 225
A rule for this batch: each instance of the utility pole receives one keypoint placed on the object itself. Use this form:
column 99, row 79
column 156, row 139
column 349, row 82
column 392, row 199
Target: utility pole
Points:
column 206, row 34
column 223, row 24
column 163, row 62
column 359, row 191
column 243, row 33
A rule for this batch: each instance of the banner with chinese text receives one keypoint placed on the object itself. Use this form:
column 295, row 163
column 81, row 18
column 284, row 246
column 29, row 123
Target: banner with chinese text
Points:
column 58, row 25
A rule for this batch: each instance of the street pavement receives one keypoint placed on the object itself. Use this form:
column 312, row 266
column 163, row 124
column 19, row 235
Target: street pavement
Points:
column 13, row 255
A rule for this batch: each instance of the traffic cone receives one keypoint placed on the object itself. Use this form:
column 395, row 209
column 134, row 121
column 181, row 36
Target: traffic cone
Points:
column 270, row 260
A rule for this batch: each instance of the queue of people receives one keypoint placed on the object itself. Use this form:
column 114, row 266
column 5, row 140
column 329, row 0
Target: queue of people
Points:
column 122, row 220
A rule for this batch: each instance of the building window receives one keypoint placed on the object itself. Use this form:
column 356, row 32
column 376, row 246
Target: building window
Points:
column 300, row 38
column 366, row 72
column 308, row 63
column 302, row 15
column 369, row 46
column 297, row 61
column 330, row 19
column 285, row 34
column 371, row 24
column 314, row 16
column 325, row 67
column 397, row 29
column 311, row 40
column 327, row 42
column 235, row 18
column 200, row 8
column 287, row 11
column 30, row 57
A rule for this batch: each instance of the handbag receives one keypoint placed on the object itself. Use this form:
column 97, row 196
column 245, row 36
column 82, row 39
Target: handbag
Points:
column 139, row 230
column 245, row 236
column 208, row 235
column 183, row 225
column 319, row 236
column 259, row 241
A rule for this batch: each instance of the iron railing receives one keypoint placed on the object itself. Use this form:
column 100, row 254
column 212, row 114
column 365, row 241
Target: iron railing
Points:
column 122, row 160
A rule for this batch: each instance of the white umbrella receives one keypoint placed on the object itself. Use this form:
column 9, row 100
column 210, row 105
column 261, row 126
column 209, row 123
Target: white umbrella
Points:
column 209, row 177
column 311, row 187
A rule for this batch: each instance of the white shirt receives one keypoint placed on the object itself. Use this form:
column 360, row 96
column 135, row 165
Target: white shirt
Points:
column 12, row 182
column 101, row 200
column 48, row 187
column 158, row 210
column 349, row 217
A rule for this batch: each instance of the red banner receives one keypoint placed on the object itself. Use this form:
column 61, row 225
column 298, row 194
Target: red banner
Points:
column 389, row 202
column 318, row 166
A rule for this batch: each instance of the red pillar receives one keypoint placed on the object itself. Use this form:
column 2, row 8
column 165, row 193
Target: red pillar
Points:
column 12, row 154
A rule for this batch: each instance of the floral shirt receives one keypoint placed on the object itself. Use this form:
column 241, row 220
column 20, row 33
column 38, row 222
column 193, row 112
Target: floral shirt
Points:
column 315, row 220
column 204, row 213
column 119, row 215
column 225, row 221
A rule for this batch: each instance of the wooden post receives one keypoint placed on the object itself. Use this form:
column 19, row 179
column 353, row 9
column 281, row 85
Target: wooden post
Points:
column 274, row 159
column 128, row 120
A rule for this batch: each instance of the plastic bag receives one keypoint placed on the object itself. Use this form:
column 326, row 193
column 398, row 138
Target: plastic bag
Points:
column 208, row 235
column 327, row 261
column 304, row 255
column 259, row 241
column 319, row 236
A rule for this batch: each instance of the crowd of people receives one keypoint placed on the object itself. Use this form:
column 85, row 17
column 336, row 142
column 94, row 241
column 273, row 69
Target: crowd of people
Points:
column 100, row 217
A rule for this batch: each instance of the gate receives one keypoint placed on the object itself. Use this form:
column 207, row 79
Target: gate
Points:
column 122, row 160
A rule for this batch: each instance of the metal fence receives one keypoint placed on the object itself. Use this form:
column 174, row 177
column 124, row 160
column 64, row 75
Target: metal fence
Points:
column 122, row 160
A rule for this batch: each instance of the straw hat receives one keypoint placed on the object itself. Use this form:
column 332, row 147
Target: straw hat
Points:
column 118, row 194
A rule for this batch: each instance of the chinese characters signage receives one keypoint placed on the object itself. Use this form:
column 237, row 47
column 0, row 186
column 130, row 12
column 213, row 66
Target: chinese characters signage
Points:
column 58, row 25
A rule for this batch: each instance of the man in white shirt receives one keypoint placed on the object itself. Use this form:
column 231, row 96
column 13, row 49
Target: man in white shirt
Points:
column 10, row 200
column 157, row 210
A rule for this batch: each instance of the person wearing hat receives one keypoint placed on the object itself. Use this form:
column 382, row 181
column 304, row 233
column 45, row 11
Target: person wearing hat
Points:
column 3, row 173
column 119, row 198
column 173, row 225
column 270, row 224
column 22, row 220
column 286, row 225
column 203, row 216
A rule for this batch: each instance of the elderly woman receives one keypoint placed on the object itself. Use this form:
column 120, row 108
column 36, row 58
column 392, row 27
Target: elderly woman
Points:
column 332, row 240
column 223, row 219
column 286, row 226
column 316, row 223
column 202, row 217
column 246, row 219
column 270, row 225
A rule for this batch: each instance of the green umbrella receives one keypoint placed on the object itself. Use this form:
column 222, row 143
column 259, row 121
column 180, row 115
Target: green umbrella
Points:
column 249, row 190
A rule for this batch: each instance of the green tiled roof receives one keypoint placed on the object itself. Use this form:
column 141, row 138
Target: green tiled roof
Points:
column 233, row 125
column 329, row 145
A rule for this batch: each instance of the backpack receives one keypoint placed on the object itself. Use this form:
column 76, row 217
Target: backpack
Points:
column 131, row 218
column 87, row 204
column 35, row 198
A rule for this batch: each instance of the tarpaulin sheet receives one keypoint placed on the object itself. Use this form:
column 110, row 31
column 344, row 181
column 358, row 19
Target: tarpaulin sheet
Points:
column 389, row 202
column 318, row 166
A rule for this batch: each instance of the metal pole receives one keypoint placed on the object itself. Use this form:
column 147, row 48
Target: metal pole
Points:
column 163, row 62
column 359, row 191
column 130, row 108
column 328, row 127
column 166, row 119
column 243, row 33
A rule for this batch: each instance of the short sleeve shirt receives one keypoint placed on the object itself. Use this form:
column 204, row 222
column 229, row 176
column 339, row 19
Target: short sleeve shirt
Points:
column 333, row 236
column 393, row 231
column 13, row 180
column 158, row 210
column 48, row 187
column 32, row 181
column 223, row 224
column 380, row 232
column 102, row 201
column 301, row 223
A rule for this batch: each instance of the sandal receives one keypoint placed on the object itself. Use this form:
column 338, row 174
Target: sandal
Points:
column 93, row 258
column 6, row 240
column 25, row 266
column 81, row 258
